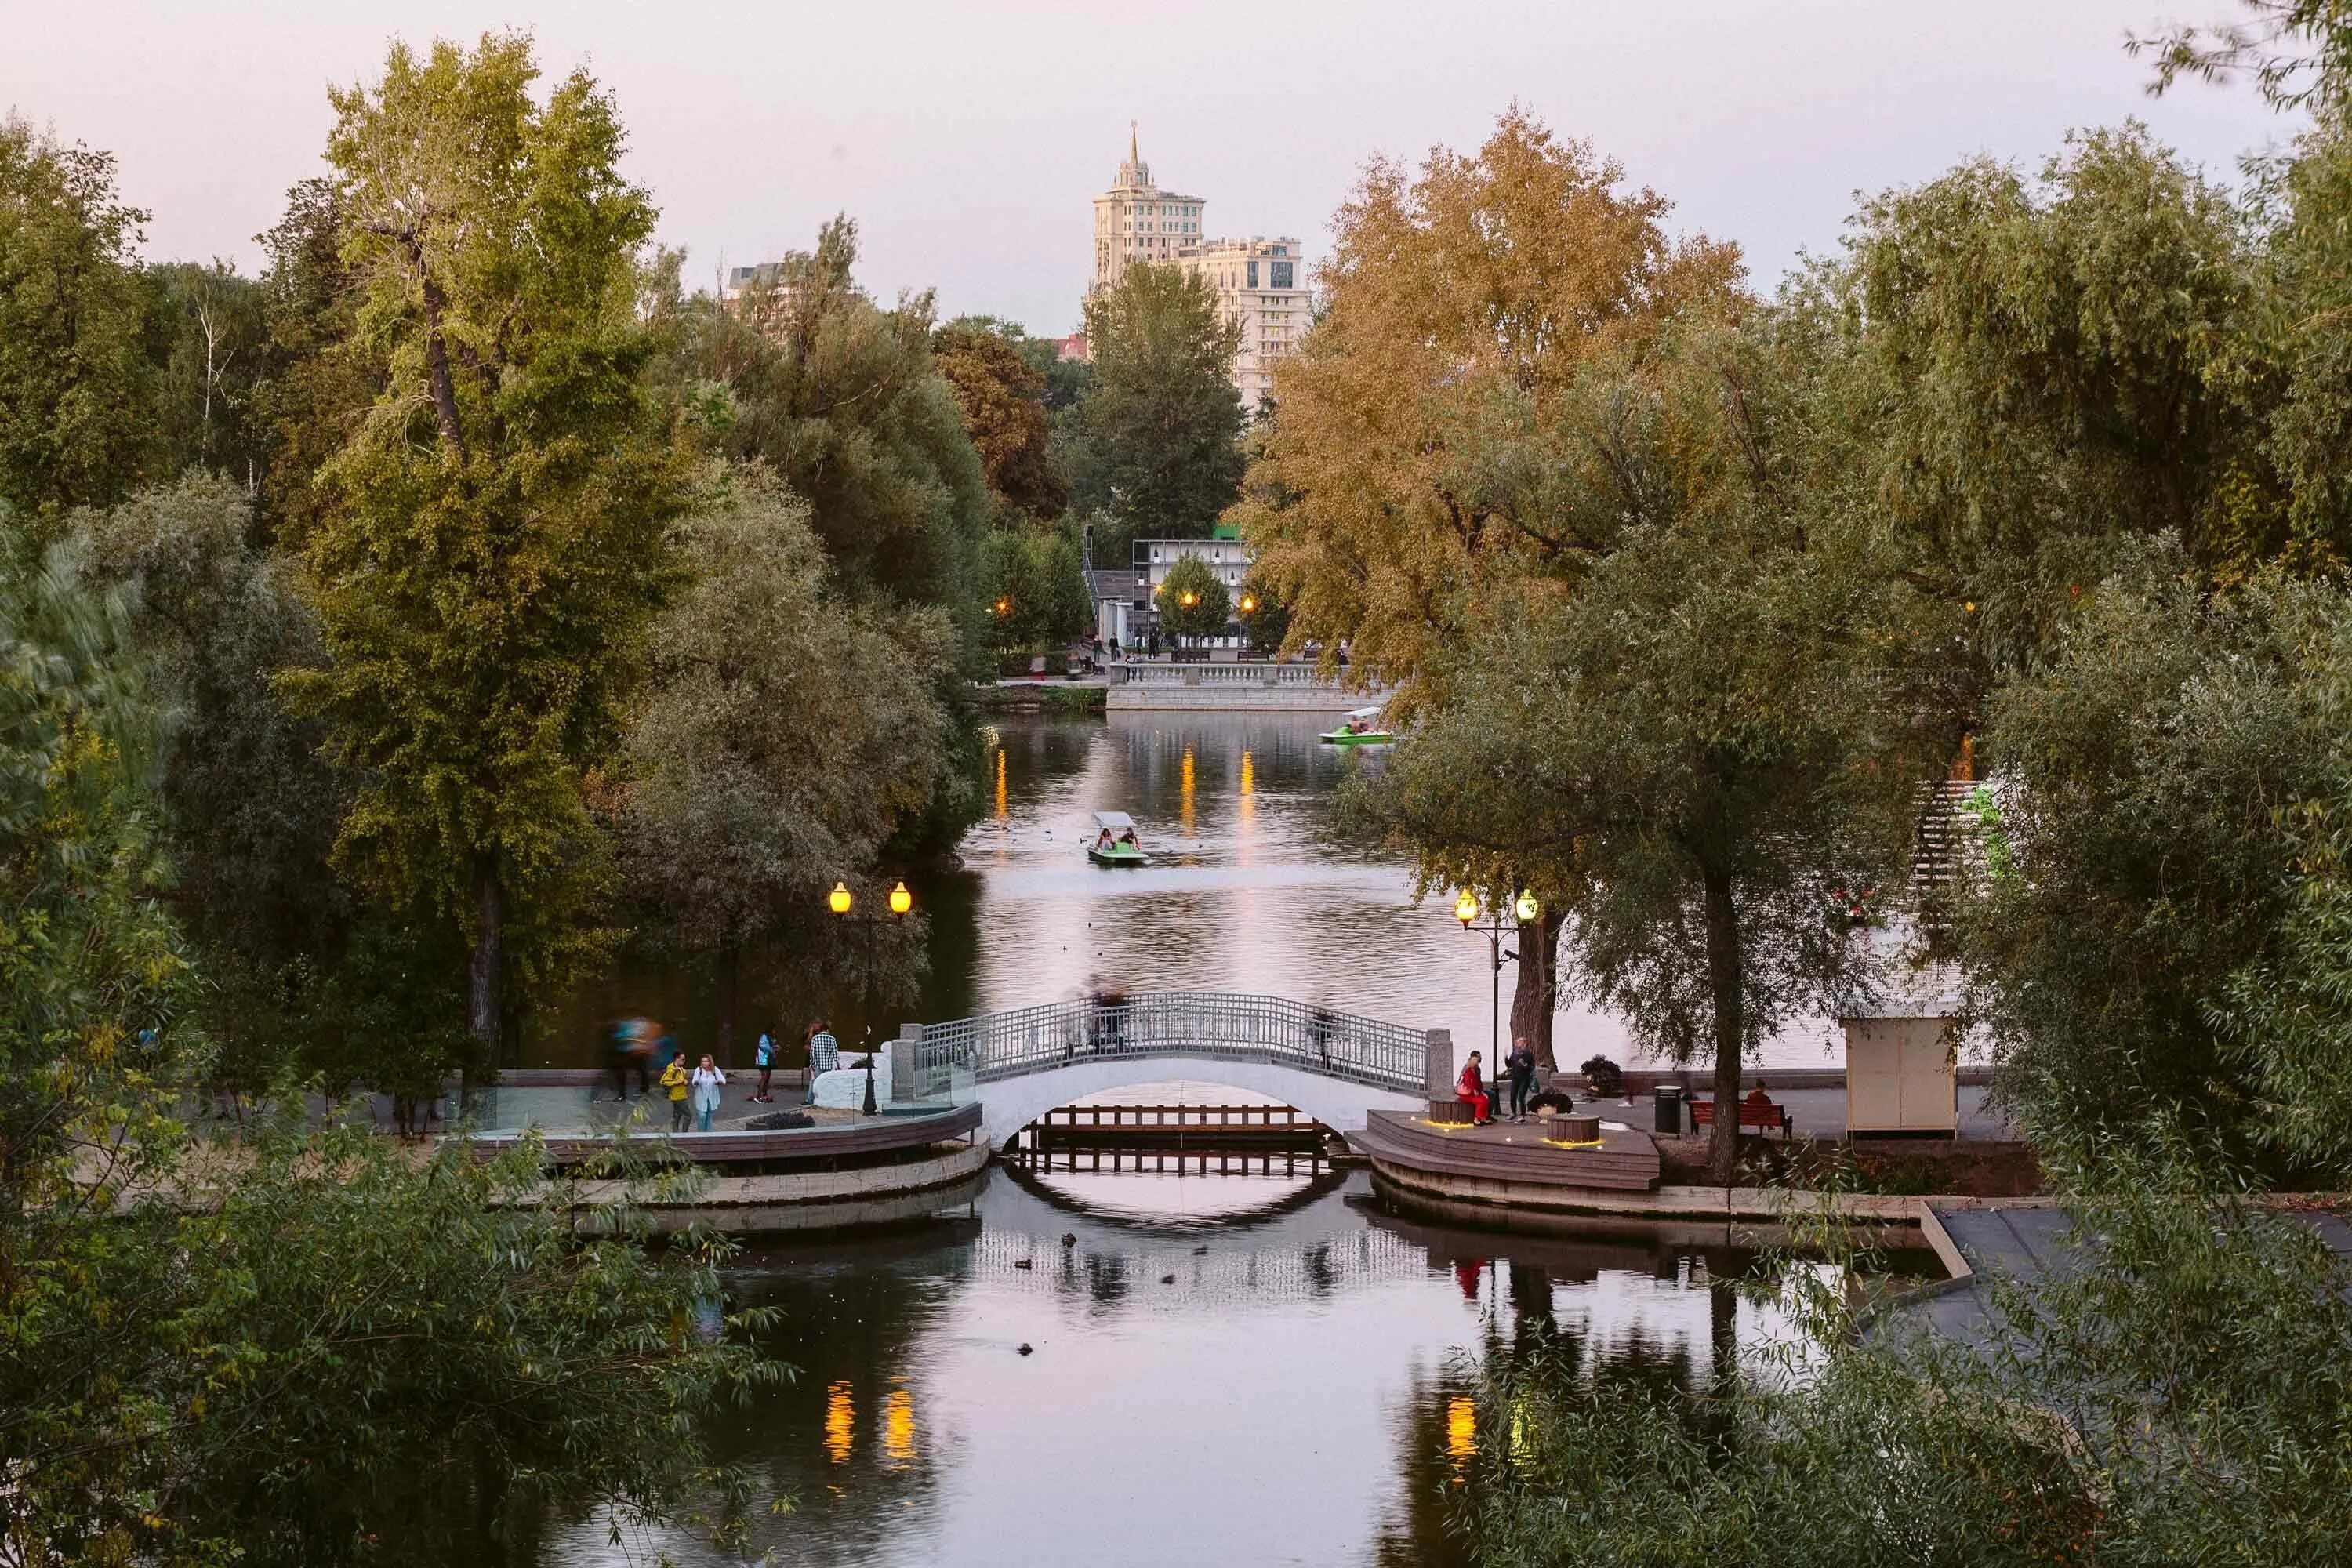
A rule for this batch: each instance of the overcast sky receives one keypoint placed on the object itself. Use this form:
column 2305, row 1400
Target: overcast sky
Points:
column 967, row 140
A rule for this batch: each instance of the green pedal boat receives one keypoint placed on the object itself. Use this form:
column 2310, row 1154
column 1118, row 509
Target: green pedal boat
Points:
column 1114, row 843
column 1362, row 728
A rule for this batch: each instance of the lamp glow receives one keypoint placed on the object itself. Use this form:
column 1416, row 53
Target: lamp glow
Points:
column 1526, row 908
column 901, row 900
column 1249, row 605
column 1466, row 907
column 839, row 900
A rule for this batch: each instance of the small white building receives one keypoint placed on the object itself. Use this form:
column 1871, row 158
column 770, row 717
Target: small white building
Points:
column 1225, row 555
column 1902, row 1071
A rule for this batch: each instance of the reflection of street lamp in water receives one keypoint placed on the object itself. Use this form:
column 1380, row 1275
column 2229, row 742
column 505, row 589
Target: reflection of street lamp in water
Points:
column 841, row 902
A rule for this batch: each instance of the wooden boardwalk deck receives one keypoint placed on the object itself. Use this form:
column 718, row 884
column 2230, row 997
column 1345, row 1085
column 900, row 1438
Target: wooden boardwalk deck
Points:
column 835, row 1137
column 1515, row 1152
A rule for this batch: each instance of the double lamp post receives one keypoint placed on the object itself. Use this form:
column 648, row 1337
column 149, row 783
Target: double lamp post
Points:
column 844, row 903
column 1467, row 909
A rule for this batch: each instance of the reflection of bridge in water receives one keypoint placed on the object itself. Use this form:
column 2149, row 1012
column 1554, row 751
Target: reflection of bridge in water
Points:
column 1336, row 1067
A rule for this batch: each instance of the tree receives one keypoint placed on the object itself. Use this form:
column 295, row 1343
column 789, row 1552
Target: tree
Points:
column 1002, row 395
column 1193, row 602
column 76, row 380
column 321, row 376
column 786, row 734
column 2144, row 864
column 1266, row 619
column 843, row 401
column 494, row 549
column 1157, row 440
column 209, row 323
column 1041, row 594
column 1432, row 434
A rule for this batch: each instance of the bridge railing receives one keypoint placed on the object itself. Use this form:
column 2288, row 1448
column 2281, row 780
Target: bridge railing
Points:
column 940, row 1060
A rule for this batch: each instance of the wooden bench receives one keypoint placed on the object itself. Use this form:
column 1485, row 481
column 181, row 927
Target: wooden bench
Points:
column 1761, row 1114
column 1450, row 1113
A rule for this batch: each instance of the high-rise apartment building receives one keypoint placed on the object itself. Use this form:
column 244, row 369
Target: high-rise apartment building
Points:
column 1135, row 220
column 1261, row 284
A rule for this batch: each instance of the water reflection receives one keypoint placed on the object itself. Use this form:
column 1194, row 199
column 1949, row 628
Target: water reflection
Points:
column 1247, row 894
column 1299, row 1361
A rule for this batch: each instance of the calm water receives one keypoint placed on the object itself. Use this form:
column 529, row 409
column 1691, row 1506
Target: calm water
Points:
column 1225, row 1369
column 1247, row 895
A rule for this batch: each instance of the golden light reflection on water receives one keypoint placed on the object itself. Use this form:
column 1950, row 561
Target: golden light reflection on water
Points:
column 840, row 1421
column 1461, row 1434
column 1247, row 808
column 1003, row 809
column 899, row 1429
column 1184, row 801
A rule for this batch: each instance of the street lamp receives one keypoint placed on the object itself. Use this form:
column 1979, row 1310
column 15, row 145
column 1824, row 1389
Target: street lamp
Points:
column 843, row 903
column 1524, row 908
column 1249, row 604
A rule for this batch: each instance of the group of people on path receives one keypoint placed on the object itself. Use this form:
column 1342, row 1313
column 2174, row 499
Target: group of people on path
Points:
column 1471, row 1087
column 641, row 1046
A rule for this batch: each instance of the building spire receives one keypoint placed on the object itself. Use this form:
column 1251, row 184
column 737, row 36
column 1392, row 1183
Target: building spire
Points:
column 1133, row 157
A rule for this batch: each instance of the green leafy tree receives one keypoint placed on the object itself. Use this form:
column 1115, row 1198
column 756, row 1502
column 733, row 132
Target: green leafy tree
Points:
column 1156, row 442
column 1041, row 594
column 321, row 377
column 1194, row 601
column 843, row 402
column 210, row 327
column 494, row 549
column 787, row 734
column 1265, row 617
column 76, row 382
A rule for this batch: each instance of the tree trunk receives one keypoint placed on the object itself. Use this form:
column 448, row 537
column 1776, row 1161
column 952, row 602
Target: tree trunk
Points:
column 1727, row 985
column 1535, row 995
column 490, row 959
column 723, row 1038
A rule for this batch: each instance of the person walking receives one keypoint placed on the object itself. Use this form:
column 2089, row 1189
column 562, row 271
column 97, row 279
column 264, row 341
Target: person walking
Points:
column 824, row 1056
column 1522, row 1063
column 1470, row 1088
column 763, row 1057
column 674, row 1082
column 710, row 1084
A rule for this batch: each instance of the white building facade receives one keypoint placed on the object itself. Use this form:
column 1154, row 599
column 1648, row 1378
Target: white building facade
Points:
column 1135, row 220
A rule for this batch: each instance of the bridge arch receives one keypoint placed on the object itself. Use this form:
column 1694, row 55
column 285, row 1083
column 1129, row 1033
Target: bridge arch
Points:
column 1335, row 1067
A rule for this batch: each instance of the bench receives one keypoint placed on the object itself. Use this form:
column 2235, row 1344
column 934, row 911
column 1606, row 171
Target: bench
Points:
column 1760, row 1114
column 1449, row 1112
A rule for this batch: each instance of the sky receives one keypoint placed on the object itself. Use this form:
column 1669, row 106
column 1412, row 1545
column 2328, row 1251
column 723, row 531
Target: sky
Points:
column 967, row 140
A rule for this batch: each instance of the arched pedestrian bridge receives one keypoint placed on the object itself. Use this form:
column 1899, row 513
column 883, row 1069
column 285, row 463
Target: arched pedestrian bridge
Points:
column 1336, row 1067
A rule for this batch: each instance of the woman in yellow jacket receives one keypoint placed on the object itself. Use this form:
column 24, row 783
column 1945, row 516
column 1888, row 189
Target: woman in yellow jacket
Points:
column 674, row 1079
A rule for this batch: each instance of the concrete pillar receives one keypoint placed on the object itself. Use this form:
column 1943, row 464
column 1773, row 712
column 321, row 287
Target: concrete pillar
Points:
column 906, row 1078
column 1437, row 1072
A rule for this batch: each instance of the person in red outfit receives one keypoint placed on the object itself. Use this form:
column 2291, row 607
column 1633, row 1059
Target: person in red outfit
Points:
column 1471, row 1090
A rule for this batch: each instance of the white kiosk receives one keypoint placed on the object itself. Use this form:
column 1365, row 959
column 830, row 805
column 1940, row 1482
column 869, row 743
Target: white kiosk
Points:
column 1902, row 1072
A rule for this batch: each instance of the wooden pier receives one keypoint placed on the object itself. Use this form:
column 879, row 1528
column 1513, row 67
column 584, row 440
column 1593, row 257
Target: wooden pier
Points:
column 1149, row 1128
column 1494, row 1161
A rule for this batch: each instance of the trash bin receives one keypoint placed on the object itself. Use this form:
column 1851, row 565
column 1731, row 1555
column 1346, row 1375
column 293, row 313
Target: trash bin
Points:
column 1670, row 1109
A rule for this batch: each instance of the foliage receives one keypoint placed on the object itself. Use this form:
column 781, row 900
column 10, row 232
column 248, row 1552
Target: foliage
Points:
column 843, row 401
column 2177, row 1399
column 1002, row 395
column 787, row 733
column 1265, row 616
column 1432, row 434
column 2140, row 775
column 253, row 810
column 208, row 327
column 1156, row 442
column 494, row 549
column 2039, row 369
column 76, row 380
column 322, row 377
column 1041, row 594
column 1193, row 602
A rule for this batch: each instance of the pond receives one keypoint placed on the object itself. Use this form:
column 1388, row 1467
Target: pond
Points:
column 1246, row 894
column 1221, row 1368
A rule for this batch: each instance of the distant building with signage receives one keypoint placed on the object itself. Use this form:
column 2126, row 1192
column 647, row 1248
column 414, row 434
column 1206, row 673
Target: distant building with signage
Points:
column 1224, row 554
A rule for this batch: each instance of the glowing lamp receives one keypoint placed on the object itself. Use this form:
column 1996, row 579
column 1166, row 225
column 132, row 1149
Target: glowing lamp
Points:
column 901, row 900
column 1526, row 908
column 1466, row 907
column 1190, row 598
column 838, row 900
column 1249, row 605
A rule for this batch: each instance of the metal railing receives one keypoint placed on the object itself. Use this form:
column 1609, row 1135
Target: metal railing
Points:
column 940, row 1058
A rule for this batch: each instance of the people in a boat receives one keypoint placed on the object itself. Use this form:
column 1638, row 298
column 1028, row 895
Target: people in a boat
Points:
column 1103, row 842
column 1127, row 840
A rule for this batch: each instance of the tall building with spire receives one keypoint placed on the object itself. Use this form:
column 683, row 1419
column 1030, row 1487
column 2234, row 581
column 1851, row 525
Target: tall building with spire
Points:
column 1135, row 220
column 1261, row 283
